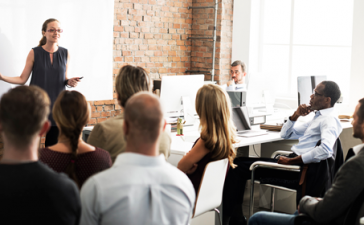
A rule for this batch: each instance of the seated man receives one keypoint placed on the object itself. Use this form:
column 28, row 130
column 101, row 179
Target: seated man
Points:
column 238, row 74
column 346, row 188
column 141, row 187
column 324, row 127
column 30, row 192
column 109, row 134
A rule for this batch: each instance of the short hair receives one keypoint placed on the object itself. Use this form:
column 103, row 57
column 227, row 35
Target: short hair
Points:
column 237, row 63
column 131, row 80
column 331, row 90
column 23, row 111
column 360, row 112
column 144, row 113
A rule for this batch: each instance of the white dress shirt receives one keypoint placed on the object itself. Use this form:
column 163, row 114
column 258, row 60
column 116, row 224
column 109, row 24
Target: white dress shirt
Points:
column 325, row 126
column 357, row 148
column 138, row 190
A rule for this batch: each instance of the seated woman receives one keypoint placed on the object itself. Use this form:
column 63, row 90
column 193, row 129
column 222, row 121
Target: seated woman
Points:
column 109, row 134
column 218, row 133
column 71, row 154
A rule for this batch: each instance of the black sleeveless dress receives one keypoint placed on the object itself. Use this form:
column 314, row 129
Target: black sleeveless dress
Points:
column 50, row 77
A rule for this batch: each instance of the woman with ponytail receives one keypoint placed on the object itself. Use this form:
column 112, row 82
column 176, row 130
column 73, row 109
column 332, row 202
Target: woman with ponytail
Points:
column 48, row 64
column 71, row 154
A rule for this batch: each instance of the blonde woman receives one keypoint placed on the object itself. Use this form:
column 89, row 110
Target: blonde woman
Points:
column 218, row 133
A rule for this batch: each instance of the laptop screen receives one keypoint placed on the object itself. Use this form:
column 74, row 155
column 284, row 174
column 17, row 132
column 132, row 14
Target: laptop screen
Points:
column 241, row 118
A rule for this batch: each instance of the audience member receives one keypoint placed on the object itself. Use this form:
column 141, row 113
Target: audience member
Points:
column 338, row 199
column 31, row 193
column 238, row 76
column 141, row 187
column 109, row 134
column 71, row 154
column 325, row 126
column 218, row 133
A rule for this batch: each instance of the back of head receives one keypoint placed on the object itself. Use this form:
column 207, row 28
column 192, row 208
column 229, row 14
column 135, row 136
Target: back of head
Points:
column 144, row 116
column 239, row 63
column 217, row 128
column 131, row 80
column 332, row 90
column 71, row 113
column 23, row 111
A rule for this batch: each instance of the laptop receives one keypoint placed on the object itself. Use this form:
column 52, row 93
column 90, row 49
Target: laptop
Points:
column 242, row 123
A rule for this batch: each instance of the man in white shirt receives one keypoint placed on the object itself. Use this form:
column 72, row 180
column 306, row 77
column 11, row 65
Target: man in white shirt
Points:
column 238, row 73
column 316, row 141
column 346, row 189
column 141, row 187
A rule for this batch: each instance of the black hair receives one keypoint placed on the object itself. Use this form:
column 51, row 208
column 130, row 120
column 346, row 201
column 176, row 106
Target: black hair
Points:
column 360, row 113
column 332, row 90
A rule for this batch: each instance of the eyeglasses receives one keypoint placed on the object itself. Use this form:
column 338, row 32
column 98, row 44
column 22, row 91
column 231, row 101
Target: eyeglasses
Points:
column 316, row 94
column 54, row 30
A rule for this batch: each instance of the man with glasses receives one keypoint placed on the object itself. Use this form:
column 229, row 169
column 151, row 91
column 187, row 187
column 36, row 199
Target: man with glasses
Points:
column 343, row 194
column 316, row 141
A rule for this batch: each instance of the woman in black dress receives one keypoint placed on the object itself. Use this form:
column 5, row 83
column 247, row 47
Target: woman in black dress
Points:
column 48, row 64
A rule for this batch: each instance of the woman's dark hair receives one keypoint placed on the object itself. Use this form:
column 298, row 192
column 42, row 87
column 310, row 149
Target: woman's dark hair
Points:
column 71, row 112
column 43, row 41
column 332, row 90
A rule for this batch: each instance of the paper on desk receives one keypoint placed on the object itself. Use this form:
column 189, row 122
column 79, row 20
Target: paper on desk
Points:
column 171, row 120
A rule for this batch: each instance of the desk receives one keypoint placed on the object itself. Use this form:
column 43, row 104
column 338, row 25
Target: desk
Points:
column 181, row 145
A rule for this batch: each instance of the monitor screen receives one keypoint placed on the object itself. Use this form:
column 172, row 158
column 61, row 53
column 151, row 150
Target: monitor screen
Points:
column 173, row 88
column 305, row 87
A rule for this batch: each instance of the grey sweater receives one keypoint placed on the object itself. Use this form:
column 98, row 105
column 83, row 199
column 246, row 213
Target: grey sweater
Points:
column 348, row 184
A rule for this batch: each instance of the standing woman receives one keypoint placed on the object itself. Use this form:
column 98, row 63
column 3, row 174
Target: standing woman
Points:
column 48, row 64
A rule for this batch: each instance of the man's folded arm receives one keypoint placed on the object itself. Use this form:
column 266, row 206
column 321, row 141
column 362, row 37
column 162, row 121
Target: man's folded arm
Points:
column 329, row 135
column 293, row 130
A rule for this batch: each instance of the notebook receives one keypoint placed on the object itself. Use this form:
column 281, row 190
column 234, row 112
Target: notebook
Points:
column 242, row 123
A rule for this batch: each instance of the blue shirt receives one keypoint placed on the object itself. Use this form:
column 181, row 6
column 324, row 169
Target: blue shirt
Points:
column 325, row 126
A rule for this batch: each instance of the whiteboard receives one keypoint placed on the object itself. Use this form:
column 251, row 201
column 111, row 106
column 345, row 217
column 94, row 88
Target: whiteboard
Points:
column 87, row 34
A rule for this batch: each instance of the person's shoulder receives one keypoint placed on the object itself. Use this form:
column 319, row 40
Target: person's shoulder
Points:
column 54, row 179
column 62, row 48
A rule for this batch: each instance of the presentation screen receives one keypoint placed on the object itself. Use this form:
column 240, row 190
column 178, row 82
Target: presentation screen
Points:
column 87, row 34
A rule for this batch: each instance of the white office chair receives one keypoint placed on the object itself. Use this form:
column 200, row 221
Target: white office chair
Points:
column 209, row 195
column 270, row 165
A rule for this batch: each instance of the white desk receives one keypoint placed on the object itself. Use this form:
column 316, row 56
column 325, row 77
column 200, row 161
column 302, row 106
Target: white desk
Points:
column 181, row 145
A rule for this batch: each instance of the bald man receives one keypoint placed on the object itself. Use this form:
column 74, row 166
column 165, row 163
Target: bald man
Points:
column 141, row 187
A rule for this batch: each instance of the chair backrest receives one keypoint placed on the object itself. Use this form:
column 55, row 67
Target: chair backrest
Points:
column 210, row 192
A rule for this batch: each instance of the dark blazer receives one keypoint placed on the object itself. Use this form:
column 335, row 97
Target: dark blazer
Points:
column 347, row 186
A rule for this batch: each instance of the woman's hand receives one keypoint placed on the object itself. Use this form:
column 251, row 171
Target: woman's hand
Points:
column 1, row 76
column 73, row 81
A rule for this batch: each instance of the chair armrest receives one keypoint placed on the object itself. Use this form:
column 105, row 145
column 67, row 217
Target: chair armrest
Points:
column 280, row 152
column 271, row 165
column 301, row 219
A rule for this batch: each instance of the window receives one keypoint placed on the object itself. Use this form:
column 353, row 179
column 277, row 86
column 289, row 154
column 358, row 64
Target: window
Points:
column 301, row 38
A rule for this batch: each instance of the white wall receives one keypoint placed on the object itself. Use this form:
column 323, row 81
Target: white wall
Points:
column 244, row 11
column 357, row 56
column 88, row 35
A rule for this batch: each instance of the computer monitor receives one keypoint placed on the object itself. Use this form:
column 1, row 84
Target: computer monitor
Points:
column 174, row 88
column 305, row 87
column 237, row 98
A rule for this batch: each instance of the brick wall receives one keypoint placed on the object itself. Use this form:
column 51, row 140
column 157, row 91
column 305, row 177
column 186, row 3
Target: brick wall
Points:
column 203, row 25
column 153, row 34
